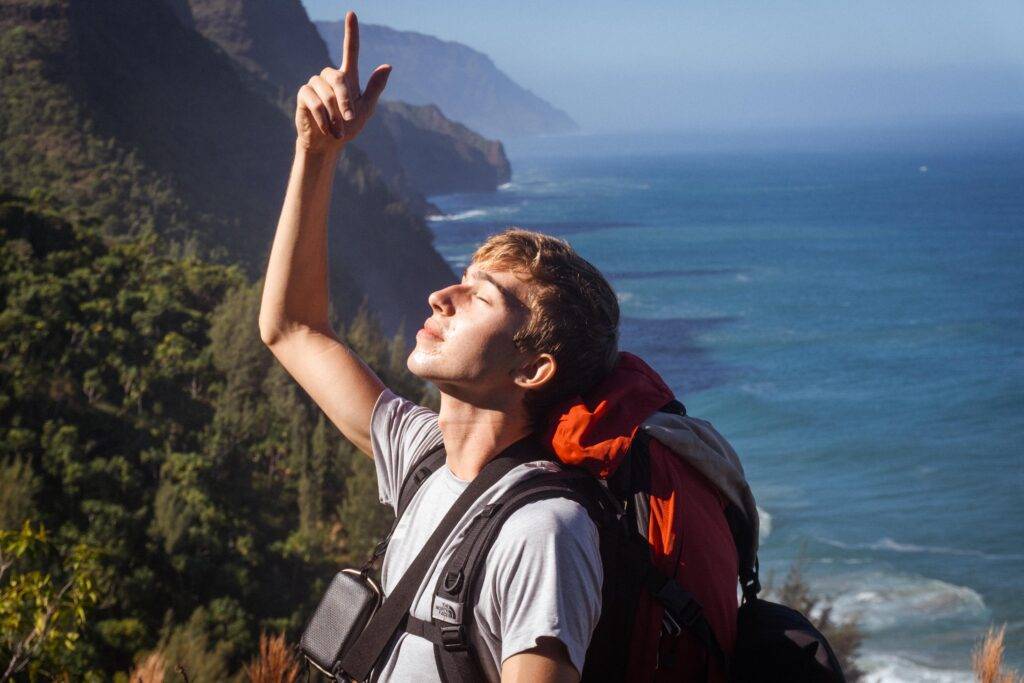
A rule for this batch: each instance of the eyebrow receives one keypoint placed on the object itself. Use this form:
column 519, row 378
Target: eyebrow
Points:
column 510, row 299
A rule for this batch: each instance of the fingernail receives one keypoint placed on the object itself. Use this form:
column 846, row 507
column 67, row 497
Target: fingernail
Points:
column 348, row 115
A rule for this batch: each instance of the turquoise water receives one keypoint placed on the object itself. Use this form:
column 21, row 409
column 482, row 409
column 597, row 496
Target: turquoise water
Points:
column 854, row 324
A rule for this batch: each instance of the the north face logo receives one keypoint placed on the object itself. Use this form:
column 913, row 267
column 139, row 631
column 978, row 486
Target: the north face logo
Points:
column 447, row 611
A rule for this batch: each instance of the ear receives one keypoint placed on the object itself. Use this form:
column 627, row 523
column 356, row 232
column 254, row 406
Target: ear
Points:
column 537, row 372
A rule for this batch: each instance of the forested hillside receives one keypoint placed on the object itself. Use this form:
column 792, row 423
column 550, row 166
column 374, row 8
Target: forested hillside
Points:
column 141, row 416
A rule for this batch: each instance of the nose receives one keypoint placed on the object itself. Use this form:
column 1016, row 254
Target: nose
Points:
column 443, row 300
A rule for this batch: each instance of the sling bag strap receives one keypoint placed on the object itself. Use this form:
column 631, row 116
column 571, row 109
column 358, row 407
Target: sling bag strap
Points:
column 451, row 607
column 427, row 464
column 364, row 653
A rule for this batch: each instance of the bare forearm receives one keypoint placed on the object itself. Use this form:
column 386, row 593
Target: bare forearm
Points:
column 295, row 292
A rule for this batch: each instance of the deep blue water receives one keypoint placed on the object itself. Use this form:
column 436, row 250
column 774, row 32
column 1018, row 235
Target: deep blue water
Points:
column 854, row 324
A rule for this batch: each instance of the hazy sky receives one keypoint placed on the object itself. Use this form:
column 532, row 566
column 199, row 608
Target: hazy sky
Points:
column 670, row 65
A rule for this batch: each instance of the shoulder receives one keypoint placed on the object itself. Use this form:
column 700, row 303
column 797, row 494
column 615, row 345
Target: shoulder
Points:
column 390, row 406
column 548, row 518
column 551, row 530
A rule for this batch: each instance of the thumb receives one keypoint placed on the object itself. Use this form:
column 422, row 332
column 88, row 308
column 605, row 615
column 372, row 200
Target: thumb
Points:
column 375, row 86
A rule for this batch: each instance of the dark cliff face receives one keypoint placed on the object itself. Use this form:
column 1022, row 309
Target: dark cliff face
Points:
column 120, row 112
column 463, row 83
column 275, row 41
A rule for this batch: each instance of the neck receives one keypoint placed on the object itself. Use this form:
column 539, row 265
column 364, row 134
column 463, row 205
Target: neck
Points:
column 473, row 436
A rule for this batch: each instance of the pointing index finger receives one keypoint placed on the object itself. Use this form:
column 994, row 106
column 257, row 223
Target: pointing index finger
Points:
column 350, row 49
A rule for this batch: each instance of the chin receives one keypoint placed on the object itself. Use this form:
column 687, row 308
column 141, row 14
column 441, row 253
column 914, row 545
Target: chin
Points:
column 419, row 362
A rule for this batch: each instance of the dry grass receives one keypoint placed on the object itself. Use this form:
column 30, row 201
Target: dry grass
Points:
column 276, row 662
column 150, row 671
column 988, row 659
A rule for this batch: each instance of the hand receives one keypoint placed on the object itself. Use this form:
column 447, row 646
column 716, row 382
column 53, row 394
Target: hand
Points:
column 329, row 109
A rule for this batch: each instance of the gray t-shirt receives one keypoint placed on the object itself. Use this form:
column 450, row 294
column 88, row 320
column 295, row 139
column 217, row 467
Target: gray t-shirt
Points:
column 542, row 576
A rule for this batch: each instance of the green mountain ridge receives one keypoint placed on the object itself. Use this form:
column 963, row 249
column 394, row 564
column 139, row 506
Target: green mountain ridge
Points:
column 462, row 82
column 120, row 115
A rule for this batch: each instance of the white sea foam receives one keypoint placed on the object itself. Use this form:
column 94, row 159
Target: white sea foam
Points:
column 461, row 260
column 891, row 668
column 472, row 213
column 766, row 524
column 624, row 296
column 460, row 216
column 505, row 186
column 880, row 600
column 890, row 544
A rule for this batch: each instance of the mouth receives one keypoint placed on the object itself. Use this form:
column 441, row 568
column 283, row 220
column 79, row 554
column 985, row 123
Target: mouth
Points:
column 431, row 330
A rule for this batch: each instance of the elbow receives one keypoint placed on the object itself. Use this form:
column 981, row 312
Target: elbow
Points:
column 274, row 331
column 270, row 332
column 269, row 337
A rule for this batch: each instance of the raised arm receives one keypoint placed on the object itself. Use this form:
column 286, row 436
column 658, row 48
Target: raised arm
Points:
column 330, row 111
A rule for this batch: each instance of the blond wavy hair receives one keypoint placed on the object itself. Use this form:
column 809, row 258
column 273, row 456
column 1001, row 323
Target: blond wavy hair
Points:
column 574, row 313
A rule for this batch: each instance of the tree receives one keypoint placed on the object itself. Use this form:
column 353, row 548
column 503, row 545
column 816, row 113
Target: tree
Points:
column 45, row 595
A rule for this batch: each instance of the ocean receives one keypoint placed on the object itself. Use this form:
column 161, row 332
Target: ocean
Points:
column 853, row 322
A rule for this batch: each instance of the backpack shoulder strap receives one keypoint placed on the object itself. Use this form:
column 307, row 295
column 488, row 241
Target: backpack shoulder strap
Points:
column 425, row 465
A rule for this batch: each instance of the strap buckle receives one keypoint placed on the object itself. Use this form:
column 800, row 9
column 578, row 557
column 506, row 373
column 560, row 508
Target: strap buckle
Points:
column 453, row 638
column 673, row 621
column 681, row 609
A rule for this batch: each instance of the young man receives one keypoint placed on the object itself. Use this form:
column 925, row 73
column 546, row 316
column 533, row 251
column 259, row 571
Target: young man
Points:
column 529, row 324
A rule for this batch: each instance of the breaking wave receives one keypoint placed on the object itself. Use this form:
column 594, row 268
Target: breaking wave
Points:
column 880, row 600
column 460, row 216
column 892, row 545
column 890, row 668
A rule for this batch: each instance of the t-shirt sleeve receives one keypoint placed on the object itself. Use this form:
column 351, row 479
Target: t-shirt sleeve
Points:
column 400, row 432
column 547, row 578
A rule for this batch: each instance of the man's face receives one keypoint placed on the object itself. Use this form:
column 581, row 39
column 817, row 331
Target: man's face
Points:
column 474, row 359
